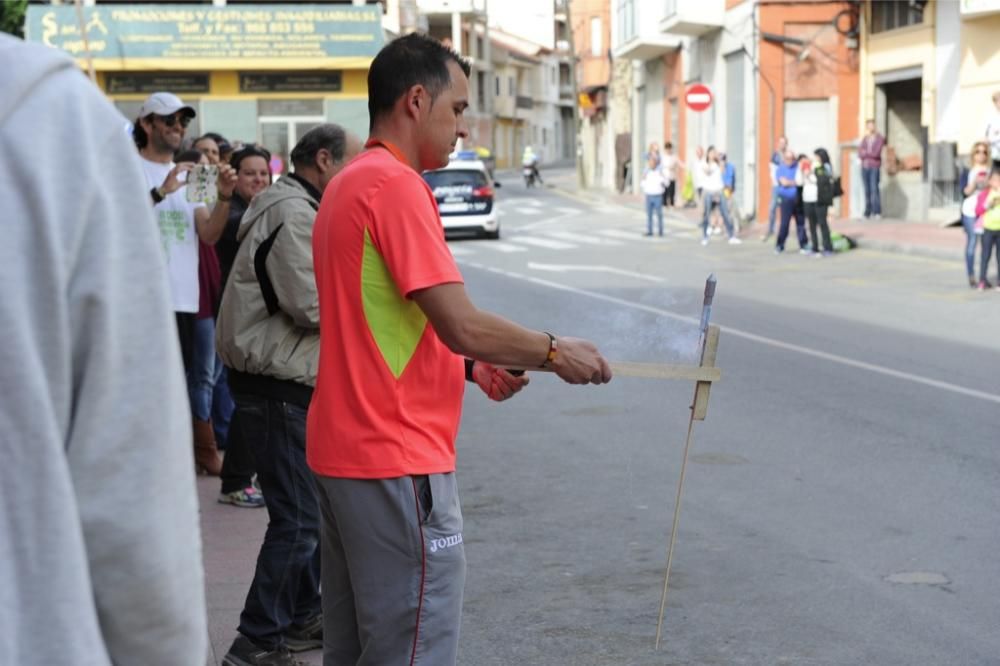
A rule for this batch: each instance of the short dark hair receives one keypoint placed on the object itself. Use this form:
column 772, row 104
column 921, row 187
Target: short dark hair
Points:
column 327, row 136
column 668, row 146
column 250, row 150
column 404, row 62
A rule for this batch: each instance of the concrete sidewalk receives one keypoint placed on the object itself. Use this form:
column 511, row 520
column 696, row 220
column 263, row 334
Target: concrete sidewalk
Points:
column 231, row 539
column 886, row 235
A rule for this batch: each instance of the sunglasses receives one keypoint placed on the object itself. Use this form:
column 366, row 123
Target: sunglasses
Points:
column 169, row 121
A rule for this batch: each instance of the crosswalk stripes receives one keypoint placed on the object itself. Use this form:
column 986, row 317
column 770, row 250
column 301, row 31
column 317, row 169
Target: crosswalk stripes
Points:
column 524, row 210
column 629, row 235
column 543, row 242
column 567, row 210
column 582, row 238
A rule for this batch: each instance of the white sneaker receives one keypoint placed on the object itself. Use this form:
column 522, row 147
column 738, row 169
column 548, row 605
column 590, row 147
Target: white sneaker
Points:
column 704, row 240
column 733, row 240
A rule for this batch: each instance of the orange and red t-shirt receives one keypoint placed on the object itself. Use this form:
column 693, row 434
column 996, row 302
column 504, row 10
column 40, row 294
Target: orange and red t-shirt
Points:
column 388, row 394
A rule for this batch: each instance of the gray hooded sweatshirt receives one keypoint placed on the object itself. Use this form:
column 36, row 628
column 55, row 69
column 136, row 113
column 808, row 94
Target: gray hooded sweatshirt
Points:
column 100, row 555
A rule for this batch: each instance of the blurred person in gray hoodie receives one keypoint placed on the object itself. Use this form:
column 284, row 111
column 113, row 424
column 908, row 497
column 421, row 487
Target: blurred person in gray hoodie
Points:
column 100, row 553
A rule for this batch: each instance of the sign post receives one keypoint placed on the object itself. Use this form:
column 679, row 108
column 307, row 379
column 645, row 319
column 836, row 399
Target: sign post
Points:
column 698, row 97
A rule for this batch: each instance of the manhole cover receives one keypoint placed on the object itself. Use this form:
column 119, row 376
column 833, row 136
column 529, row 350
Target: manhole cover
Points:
column 918, row 578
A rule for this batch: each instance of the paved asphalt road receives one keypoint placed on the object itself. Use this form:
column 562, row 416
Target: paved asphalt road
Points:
column 852, row 443
column 843, row 496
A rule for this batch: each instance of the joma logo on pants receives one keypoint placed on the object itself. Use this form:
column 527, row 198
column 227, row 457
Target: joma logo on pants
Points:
column 447, row 542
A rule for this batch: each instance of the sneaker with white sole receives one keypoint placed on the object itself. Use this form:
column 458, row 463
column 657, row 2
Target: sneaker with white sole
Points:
column 733, row 240
column 248, row 498
column 704, row 240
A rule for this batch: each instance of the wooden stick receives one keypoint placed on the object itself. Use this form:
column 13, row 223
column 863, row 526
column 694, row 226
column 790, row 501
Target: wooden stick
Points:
column 673, row 530
column 654, row 371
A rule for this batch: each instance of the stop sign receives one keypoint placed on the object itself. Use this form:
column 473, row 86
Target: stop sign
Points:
column 698, row 97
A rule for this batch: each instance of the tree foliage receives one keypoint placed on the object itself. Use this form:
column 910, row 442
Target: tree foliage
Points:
column 12, row 16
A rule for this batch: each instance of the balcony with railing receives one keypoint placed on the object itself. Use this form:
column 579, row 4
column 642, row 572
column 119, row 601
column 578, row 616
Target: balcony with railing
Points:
column 692, row 18
column 638, row 36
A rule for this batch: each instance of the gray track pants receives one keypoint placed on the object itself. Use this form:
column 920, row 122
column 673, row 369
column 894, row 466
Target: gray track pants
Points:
column 393, row 568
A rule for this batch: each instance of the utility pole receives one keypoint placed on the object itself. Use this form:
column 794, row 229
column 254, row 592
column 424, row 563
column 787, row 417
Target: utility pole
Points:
column 581, row 177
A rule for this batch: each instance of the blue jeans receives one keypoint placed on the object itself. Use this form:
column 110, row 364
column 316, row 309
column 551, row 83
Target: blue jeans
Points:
column 204, row 368
column 771, row 210
column 654, row 203
column 991, row 239
column 788, row 209
column 285, row 588
column 873, row 200
column 969, row 224
column 717, row 199
column 222, row 405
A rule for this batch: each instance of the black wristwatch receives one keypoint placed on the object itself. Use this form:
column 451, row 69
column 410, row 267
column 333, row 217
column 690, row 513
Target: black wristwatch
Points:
column 157, row 197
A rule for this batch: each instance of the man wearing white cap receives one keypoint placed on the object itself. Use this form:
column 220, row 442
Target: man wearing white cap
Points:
column 158, row 132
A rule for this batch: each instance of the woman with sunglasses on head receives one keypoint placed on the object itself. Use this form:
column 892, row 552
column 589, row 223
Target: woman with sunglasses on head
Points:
column 972, row 181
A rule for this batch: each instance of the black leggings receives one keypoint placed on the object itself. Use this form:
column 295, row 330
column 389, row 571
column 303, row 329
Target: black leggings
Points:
column 990, row 239
column 816, row 213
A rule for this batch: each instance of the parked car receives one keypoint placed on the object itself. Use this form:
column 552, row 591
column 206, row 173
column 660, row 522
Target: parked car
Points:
column 465, row 197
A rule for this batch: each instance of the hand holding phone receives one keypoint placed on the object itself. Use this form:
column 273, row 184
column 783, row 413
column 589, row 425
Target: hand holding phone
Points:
column 201, row 183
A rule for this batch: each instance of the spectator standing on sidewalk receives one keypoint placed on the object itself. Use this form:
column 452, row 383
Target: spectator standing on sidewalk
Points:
column 653, row 186
column 816, row 178
column 870, row 153
column 94, row 418
column 268, row 337
column 696, row 169
column 712, row 186
column 253, row 176
column 670, row 166
column 208, row 147
column 776, row 158
column 988, row 207
column 973, row 180
column 158, row 133
column 396, row 321
column 992, row 133
column 788, row 202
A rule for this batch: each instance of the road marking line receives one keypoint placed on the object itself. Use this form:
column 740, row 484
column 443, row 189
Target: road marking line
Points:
column 582, row 238
column 543, row 242
column 634, row 236
column 562, row 268
column 458, row 251
column 568, row 211
column 523, row 210
column 777, row 344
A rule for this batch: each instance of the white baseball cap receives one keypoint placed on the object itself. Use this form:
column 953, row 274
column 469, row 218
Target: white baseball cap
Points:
column 164, row 104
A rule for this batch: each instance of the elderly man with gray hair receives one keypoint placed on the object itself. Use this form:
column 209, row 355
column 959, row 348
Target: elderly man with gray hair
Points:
column 268, row 337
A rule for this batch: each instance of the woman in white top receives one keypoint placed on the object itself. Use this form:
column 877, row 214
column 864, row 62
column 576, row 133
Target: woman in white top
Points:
column 816, row 179
column 711, row 186
column 973, row 180
column 653, row 186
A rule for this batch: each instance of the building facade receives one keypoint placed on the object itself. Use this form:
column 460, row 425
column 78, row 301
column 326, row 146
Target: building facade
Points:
column 255, row 73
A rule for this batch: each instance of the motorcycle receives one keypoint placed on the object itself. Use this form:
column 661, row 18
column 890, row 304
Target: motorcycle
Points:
column 529, row 176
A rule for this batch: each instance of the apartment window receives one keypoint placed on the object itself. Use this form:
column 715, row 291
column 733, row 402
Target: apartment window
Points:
column 596, row 47
column 626, row 20
column 481, row 91
column 510, row 86
column 891, row 15
column 497, row 79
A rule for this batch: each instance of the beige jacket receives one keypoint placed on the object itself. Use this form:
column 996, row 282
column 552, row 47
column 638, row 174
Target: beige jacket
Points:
column 285, row 344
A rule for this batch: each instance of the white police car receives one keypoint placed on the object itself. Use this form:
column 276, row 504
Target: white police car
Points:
column 465, row 197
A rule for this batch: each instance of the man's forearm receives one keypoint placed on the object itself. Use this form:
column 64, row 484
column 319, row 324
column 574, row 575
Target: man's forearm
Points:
column 493, row 339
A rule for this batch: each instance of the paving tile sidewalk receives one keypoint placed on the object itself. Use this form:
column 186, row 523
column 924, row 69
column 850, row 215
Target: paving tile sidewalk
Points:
column 886, row 235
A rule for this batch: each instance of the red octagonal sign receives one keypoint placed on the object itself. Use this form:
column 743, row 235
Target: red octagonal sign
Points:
column 698, row 97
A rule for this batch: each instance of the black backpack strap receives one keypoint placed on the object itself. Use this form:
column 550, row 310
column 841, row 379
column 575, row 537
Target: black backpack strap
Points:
column 260, row 269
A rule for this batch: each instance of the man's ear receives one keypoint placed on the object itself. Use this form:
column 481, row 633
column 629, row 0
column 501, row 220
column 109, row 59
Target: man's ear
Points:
column 416, row 99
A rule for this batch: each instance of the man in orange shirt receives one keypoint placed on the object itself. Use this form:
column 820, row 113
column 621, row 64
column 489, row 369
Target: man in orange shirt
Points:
column 385, row 414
